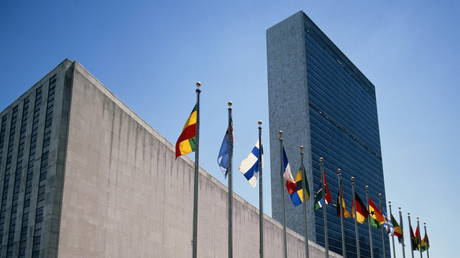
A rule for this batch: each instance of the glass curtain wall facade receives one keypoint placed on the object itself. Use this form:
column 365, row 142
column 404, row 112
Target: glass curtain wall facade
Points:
column 338, row 122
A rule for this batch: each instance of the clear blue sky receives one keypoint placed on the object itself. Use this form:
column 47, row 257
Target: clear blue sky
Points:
column 150, row 53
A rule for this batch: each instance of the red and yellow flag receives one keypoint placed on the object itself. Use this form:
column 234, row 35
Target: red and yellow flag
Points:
column 375, row 216
column 186, row 142
column 345, row 212
column 360, row 209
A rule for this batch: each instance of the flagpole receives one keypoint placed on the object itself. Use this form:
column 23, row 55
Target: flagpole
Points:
column 282, row 194
column 326, row 238
column 392, row 235
column 420, row 243
column 339, row 180
column 230, row 183
column 304, row 184
column 196, row 174
column 369, row 224
column 261, row 200
column 358, row 251
column 382, row 227
column 411, row 237
column 428, row 244
column 402, row 229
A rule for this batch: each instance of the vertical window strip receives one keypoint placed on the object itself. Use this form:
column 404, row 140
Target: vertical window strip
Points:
column 17, row 178
column 40, row 204
column 2, row 136
column 29, row 175
column 6, row 177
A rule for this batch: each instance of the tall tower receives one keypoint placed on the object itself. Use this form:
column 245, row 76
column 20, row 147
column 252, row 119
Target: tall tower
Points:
column 321, row 100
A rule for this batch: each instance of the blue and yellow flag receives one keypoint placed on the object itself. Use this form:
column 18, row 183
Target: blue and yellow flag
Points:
column 295, row 190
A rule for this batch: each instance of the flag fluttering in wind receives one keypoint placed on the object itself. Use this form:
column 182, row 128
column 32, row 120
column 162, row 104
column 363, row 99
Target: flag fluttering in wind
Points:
column 296, row 193
column 249, row 167
column 186, row 142
column 413, row 239
column 375, row 216
column 319, row 200
column 388, row 225
column 226, row 149
column 287, row 175
column 418, row 238
column 397, row 229
column 361, row 211
column 327, row 197
column 425, row 244
column 340, row 199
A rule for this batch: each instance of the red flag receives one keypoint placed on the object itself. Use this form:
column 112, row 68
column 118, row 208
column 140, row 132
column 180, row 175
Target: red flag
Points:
column 418, row 238
column 328, row 197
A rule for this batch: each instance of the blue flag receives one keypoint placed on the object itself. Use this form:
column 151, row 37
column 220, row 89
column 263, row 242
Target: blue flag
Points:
column 225, row 150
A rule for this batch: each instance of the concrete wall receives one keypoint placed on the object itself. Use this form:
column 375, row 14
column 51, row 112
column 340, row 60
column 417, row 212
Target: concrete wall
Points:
column 288, row 111
column 125, row 195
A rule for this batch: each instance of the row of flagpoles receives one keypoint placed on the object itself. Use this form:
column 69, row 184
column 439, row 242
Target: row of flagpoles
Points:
column 298, row 190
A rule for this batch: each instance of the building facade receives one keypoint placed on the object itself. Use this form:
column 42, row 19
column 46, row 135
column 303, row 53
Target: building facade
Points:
column 82, row 175
column 321, row 100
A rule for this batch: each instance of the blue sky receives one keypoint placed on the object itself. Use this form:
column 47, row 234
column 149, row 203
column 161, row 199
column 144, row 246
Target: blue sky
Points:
column 150, row 53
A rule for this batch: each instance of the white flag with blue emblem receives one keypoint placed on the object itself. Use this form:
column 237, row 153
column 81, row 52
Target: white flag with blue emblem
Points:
column 249, row 167
column 388, row 225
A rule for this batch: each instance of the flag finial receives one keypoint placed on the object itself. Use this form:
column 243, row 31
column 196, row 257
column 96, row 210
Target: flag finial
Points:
column 339, row 171
column 366, row 187
column 259, row 122
column 321, row 159
column 418, row 218
column 380, row 195
column 352, row 179
column 408, row 214
column 389, row 202
column 198, row 84
column 399, row 207
column 229, row 103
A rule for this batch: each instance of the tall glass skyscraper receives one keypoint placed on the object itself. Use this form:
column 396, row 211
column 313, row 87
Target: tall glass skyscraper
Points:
column 321, row 100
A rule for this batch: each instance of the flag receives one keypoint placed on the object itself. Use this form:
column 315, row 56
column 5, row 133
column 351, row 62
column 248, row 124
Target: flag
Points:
column 249, row 167
column 328, row 196
column 319, row 200
column 186, row 142
column 287, row 175
column 319, row 196
column 297, row 194
column 418, row 238
column 425, row 245
column 346, row 214
column 291, row 184
column 388, row 225
column 375, row 216
column 299, row 177
column 226, row 149
column 397, row 229
column 360, row 208
column 413, row 239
